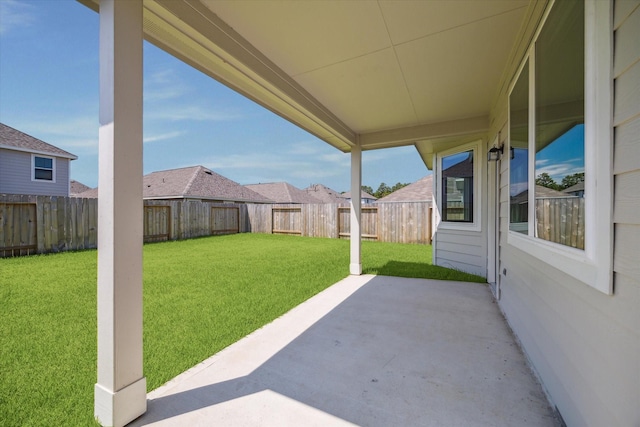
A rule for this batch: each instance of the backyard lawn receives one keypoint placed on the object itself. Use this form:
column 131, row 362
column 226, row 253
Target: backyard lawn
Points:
column 200, row 296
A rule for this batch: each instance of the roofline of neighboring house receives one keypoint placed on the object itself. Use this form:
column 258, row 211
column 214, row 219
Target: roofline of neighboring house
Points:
column 404, row 201
column 45, row 153
column 265, row 201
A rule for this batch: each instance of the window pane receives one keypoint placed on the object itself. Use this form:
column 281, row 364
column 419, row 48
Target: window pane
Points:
column 457, row 187
column 559, row 126
column 43, row 162
column 44, row 174
column 519, row 151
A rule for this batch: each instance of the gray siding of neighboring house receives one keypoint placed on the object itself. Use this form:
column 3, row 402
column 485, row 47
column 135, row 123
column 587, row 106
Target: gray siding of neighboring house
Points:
column 15, row 175
column 583, row 344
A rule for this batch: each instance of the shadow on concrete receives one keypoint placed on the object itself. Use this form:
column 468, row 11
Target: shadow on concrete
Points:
column 407, row 352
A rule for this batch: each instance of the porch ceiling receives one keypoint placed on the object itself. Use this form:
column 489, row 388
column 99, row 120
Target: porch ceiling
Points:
column 375, row 73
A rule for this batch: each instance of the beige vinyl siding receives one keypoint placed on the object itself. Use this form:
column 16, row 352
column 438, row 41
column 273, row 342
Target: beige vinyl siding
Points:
column 15, row 175
column 583, row 344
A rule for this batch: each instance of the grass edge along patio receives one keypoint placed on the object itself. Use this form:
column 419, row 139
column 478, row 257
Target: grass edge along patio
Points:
column 200, row 296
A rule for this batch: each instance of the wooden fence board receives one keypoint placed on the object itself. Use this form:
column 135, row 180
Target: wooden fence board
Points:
column 53, row 224
column 225, row 220
column 561, row 220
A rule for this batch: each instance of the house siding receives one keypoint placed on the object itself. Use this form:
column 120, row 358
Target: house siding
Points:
column 15, row 175
column 583, row 344
column 461, row 250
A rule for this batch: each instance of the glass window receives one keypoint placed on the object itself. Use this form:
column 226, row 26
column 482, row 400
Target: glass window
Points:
column 457, row 187
column 568, row 152
column 558, row 149
column 519, row 153
column 43, row 168
column 559, row 126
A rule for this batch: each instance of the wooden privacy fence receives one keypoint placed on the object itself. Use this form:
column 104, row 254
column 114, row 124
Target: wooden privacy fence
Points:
column 42, row 224
column 558, row 219
column 385, row 222
column 368, row 222
column 561, row 220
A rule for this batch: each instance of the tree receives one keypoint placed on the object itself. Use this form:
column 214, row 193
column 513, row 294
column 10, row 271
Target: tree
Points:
column 367, row 189
column 383, row 190
column 545, row 180
column 571, row 180
column 398, row 186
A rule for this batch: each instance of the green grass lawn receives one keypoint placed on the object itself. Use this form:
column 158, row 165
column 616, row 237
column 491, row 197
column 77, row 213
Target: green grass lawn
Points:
column 200, row 296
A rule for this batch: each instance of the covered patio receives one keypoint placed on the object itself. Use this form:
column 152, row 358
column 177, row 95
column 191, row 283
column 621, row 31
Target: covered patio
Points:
column 368, row 75
column 370, row 350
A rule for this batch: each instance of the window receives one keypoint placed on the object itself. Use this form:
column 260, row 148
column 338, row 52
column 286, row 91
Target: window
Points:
column 519, row 165
column 457, row 186
column 560, row 140
column 43, row 168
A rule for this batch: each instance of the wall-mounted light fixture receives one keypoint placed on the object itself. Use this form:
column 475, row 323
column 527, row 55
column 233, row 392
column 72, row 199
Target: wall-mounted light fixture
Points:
column 495, row 153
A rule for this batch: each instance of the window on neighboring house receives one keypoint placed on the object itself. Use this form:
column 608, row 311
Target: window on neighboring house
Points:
column 560, row 113
column 43, row 168
column 457, row 187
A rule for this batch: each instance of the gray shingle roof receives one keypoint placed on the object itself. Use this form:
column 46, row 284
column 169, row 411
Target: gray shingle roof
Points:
column 419, row 191
column 325, row 194
column 363, row 195
column 541, row 193
column 283, row 192
column 76, row 188
column 13, row 139
column 197, row 182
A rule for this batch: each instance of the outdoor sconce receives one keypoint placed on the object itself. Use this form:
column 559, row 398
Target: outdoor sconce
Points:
column 495, row 153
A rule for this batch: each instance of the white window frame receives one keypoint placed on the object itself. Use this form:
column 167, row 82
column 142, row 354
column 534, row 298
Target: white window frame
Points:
column 33, row 168
column 593, row 265
column 474, row 146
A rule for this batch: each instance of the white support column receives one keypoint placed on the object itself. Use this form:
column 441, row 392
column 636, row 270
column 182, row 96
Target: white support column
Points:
column 355, row 267
column 120, row 393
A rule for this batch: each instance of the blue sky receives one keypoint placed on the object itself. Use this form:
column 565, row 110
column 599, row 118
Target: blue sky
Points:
column 49, row 89
column 562, row 157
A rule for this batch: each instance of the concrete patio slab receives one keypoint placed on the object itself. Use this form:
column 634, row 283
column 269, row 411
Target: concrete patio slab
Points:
column 369, row 351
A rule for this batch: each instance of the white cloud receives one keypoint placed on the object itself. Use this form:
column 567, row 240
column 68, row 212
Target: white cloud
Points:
column 559, row 170
column 163, row 85
column 176, row 113
column 15, row 14
column 163, row 136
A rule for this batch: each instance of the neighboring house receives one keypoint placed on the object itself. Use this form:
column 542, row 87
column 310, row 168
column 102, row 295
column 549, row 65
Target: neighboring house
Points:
column 541, row 193
column 197, row 183
column 325, row 194
column 451, row 80
column 419, row 191
column 192, row 183
column 365, row 198
column 31, row 166
column 575, row 190
column 283, row 192
column 76, row 188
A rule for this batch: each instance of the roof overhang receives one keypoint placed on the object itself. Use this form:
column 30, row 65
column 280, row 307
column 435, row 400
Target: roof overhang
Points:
column 376, row 74
column 42, row 152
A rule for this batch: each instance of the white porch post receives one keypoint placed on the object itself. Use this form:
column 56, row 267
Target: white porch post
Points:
column 355, row 267
column 120, row 393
